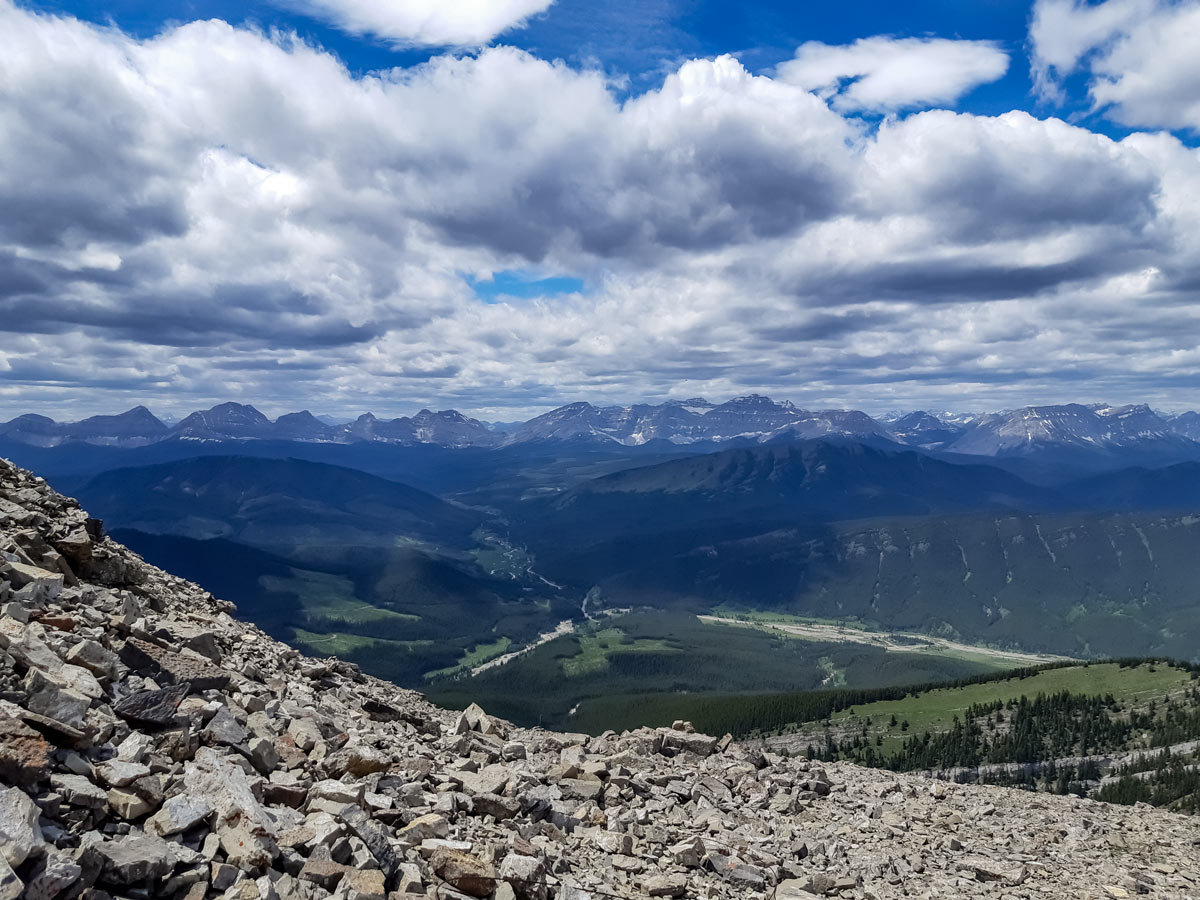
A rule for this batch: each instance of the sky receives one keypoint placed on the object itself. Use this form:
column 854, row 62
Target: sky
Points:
column 500, row 206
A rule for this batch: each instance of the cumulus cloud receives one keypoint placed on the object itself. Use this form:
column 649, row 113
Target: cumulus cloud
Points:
column 216, row 212
column 885, row 74
column 1139, row 55
column 986, row 179
column 426, row 23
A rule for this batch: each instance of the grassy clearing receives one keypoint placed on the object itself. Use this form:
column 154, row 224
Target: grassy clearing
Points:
column 481, row 653
column 742, row 614
column 325, row 596
column 934, row 711
column 596, row 648
column 340, row 644
column 476, row 656
column 491, row 560
column 500, row 559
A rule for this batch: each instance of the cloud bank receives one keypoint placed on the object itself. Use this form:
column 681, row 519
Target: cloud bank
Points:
column 216, row 213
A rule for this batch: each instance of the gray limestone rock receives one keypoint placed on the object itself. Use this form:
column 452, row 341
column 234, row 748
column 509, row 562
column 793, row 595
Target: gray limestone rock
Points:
column 77, row 790
column 57, row 873
column 119, row 773
column 179, row 813
column 20, row 834
column 11, row 887
column 48, row 699
column 526, row 875
column 133, row 859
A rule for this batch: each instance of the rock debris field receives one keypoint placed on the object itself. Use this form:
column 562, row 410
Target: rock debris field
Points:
column 152, row 745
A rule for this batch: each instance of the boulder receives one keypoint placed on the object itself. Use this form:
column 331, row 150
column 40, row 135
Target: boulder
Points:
column 77, row 679
column 425, row 827
column 50, row 584
column 338, row 793
column 47, row 698
column 376, row 840
column 305, row 733
column 356, row 760
column 689, row 852
column 127, row 805
column 689, row 742
column 11, row 887
column 57, row 873
column 133, row 859
column 794, row 889
column 364, row 884
column 490, row 780
column 76, row 546
column 78, row 791
column 24, row 644
column 156, row 707
column 224, row 728
column 464, row 872
column 179, row 813
column 24, row 754
column 324, row 873
column 119, row 773
column 93, row 657
column 672, row 885
column 243, row 827
column 526, row 875
column 499, row 808
column 176, row 668
column 20, row 834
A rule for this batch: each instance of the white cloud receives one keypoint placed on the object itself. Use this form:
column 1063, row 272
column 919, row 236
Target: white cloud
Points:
column 884, row 74
column 1140, row 57
column 1063, row 31
column 217, row 212
column 426, row 23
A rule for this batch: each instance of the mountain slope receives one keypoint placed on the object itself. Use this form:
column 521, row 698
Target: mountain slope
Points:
column 794, row 482
column 1094, row 429
column 447, row 428
column 1174, row 487
column 225, row 421
column 920, row 429
column 274, row 504
column 1075, row 585
column 137, row 426
column 133, row 428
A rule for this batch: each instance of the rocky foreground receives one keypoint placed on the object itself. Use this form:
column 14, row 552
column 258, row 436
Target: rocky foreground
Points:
column 153, row 746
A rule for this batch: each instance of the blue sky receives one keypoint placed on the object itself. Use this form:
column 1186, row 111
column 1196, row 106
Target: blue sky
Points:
column 502, row 206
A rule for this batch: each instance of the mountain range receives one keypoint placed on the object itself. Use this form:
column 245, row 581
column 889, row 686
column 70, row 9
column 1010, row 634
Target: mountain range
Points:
column 442, row 550
column 276, row 504
column 1090, row 429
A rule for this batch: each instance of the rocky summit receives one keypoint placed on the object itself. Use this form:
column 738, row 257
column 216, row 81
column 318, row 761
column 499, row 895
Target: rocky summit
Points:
column 152, row 745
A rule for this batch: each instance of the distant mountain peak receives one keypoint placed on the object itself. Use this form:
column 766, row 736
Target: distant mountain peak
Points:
column 1129, row 429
